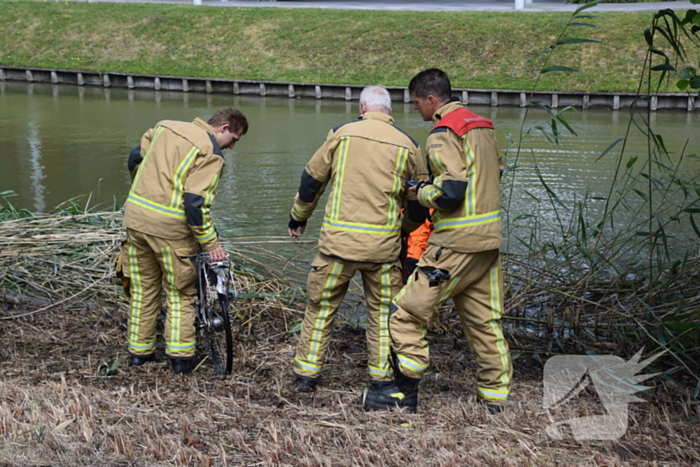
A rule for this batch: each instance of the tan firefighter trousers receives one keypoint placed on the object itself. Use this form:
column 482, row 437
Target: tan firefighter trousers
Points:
column 155, row 264
column 328, row 282
column 475, row 283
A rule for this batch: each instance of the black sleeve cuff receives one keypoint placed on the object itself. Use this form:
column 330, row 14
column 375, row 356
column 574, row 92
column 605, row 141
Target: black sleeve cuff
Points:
column 134, row 158
column 416, row 212
column 294, row 224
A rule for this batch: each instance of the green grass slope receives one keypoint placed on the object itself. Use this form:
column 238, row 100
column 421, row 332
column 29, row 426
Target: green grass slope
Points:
column 478, row 49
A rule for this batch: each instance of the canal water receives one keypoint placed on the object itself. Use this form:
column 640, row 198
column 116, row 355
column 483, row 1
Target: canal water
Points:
column 60, row 142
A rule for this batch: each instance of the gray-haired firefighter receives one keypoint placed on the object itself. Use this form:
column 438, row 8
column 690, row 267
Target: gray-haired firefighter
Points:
column 366, row 163
column 175, row 172
column 462, row 260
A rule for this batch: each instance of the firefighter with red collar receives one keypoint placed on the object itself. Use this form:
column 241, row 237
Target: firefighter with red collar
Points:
column 175, row 173
column 462, row 260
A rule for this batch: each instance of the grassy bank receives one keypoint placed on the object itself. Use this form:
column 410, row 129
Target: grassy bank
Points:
column 478, row 49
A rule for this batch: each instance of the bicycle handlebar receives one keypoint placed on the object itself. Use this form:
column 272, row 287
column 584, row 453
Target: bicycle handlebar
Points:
column 203, row 258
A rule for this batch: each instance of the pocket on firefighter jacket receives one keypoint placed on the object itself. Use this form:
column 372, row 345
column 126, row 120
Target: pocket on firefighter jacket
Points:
column 119, row 265
column 318, row 278
column 121, row 272
column 426, row 288
column 185, row 270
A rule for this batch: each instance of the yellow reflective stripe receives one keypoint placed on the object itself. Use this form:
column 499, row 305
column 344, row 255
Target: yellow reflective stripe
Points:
column 206, row 236
column 179, row 179
column 301, row 214
column 211, row 233
column 496, row 313
column 424, row 342
column 471, row 178
column 340, row 173
column 492, row 394
column 136, row 294
column 155, row 207
column 174, row 295
column 141, row 347
column 448, row 291
column 393, row 213
column 374, row 371
column 148, row 153
column 207, row 222
column 412, row 364
column 181, row 347
column 384, row 305
column 362, row 228
column 317, row 332
column 437, row 164
column 430, row 193
column 468, row 221
column 501, row 392
column 402, row 292
column 307, row 366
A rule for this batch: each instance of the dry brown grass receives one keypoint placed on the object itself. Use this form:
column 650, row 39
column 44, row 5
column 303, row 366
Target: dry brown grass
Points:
column 56, row 409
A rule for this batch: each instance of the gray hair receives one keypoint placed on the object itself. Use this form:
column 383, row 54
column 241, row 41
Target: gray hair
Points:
column 376, row 99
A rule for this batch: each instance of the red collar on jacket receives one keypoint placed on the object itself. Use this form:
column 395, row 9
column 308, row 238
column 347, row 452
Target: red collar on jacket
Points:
column 461, row 121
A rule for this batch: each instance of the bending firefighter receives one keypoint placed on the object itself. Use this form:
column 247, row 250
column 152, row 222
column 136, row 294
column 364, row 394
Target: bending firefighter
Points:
column 366, row 164
column 462, row 260
column 175, row 173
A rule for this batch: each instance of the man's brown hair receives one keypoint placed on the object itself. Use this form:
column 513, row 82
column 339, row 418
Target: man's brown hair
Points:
column 233, row 117
column 431, row 82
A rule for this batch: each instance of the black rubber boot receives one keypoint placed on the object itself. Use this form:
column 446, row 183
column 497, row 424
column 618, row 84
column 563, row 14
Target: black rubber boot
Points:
column 138, row 360
column 183, row 366
column 403, row 394
column 492, row 408
column 394, row 396
column 379, row 385
column 304, row 383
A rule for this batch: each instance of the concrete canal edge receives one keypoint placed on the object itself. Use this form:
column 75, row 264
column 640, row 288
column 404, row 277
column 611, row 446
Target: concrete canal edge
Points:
column 492, row 97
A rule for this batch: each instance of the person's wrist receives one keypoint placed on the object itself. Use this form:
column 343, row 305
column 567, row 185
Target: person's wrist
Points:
column 295, row 224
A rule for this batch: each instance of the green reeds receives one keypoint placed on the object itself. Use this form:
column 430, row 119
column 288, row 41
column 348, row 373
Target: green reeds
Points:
column 590, row 276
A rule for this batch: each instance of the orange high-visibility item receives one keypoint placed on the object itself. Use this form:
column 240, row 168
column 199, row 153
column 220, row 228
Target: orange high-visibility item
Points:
column 418, row 240
column 462, row 121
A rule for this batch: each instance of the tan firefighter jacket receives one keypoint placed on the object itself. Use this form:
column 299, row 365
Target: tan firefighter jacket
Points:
column 359, row 160
column 175, row 175
column 465, row 190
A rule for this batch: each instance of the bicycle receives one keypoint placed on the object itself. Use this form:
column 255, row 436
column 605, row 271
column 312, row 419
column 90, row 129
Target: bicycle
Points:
column 216, row 294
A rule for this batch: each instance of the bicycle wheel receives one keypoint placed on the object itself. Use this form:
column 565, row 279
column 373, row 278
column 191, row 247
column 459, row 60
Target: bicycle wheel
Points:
column 217, row 329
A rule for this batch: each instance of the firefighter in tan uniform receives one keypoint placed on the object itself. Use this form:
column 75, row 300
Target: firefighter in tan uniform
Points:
column 462, row 260
column 175, row 173
column 366, row 163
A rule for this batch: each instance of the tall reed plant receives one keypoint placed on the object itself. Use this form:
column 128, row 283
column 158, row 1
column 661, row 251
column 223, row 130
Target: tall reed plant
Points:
column 616, row 277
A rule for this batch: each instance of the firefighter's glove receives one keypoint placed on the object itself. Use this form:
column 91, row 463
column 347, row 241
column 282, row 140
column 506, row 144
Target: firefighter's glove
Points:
column 295, row 224
column 413, row 187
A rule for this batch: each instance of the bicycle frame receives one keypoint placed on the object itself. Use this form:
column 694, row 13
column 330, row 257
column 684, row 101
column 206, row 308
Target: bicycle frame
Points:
column 212, row 312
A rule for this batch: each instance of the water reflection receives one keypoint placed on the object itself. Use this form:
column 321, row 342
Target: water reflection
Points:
column 37, row 169
column 76, row 140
